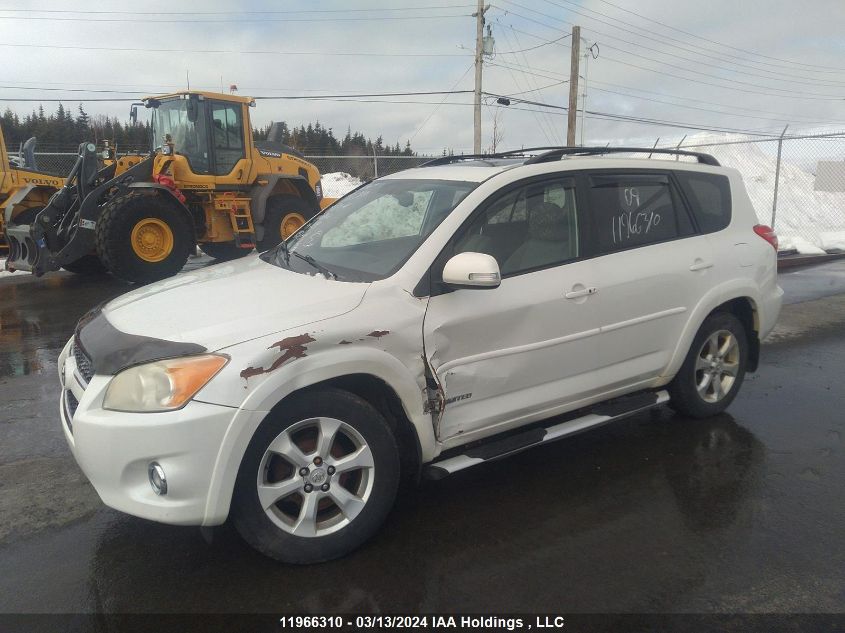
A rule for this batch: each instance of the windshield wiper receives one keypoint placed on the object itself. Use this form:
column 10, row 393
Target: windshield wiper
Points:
column 313, row 262
column 283, row 248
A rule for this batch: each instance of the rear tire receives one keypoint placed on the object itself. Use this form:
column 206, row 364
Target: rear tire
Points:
column 143, row 237
column 713, row 370
column 285, row 215
column 297, row 516
column 224, row 251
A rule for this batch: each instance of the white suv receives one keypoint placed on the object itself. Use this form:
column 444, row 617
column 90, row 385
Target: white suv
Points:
column 427, row 322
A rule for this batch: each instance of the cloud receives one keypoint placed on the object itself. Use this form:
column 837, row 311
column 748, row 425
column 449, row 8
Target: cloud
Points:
column 807, row 32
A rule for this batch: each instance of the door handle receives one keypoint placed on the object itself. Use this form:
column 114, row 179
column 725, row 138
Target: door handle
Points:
column 582, row 292
column 700, row 264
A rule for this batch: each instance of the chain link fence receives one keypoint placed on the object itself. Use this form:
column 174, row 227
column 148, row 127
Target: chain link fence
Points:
column 340, row 174
column 796, row 184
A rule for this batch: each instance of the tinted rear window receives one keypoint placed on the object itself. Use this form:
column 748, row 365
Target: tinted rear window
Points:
column 710, row 197
column 630, row 210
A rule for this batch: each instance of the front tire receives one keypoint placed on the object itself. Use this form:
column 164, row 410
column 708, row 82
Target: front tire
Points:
column 713, row 370
column 285, row 216
column 86, row 265
column 317, row 479
column 224, row 251
column 143, row 237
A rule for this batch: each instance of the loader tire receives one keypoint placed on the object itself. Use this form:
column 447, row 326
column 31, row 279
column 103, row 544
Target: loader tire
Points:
column 224, row 251
column 142, row 238
column 86, row 265
column 285, row 215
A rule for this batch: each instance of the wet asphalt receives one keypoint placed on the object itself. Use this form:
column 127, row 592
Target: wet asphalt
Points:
column 740, row 513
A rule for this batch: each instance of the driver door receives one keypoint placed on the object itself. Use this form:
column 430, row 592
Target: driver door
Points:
column 506, row 355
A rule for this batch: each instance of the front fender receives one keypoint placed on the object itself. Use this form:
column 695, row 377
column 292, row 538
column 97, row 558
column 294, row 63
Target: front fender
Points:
column 268, row 389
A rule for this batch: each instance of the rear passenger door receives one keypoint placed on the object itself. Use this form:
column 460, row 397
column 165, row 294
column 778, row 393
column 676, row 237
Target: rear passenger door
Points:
column 651, row 269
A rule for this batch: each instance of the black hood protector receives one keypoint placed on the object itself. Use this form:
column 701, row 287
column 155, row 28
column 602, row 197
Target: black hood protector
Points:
column 111, row 350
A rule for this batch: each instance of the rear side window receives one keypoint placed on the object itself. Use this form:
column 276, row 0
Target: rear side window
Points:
column 710, row 197
column 631, row 210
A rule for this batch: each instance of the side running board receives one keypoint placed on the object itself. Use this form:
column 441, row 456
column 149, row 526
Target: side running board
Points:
column 497, row 448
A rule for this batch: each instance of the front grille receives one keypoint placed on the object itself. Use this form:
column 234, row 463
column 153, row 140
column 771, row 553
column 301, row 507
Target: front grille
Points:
column 83, row 363
column 71, row 403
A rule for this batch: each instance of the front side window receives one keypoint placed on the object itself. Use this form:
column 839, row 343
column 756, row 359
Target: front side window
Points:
column 189, row 138
column 630, row 210
column 227, row 135
column 368, row 234
column 532, row 227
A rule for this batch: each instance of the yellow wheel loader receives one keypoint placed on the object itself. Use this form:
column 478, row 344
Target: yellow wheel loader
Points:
column 207, row 182
column 24, row 190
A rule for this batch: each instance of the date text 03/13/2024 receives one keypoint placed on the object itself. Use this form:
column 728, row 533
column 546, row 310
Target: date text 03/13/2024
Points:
column 423, row 622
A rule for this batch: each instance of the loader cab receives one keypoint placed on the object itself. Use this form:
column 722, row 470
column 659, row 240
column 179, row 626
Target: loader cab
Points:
column 207, row 132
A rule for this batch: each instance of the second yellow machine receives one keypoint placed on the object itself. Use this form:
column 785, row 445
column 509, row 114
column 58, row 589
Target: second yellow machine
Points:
column 207, row 182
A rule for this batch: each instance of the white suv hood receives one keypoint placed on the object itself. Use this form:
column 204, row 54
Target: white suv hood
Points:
column 230, row 303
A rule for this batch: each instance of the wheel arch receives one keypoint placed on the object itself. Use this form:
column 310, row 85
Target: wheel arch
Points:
column 738, row 299
column 375, row 376
column 745, row 309
column 279, row 185
column 154, row 188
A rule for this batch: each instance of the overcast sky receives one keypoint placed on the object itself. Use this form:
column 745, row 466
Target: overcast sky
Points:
column 738, row 65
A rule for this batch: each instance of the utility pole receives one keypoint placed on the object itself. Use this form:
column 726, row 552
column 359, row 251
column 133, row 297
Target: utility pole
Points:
column 479, row 57
column 572, row 114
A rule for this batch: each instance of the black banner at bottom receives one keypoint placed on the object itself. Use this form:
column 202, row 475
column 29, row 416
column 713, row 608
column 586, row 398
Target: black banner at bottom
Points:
column 544, row 623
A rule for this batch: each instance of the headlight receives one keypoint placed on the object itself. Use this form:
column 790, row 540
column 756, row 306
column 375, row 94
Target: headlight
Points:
column 164, row 385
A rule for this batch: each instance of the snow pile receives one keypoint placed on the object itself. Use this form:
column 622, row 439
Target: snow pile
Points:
column 833, row 240
column 6, row 273
column 338, row 183
column 807, row 220
column 383, row 218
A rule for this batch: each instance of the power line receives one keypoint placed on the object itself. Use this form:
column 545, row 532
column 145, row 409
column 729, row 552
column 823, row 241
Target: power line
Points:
column 741, row 50
column 543, row 124
column 707, row 52
column 231, row 52
column 803, row 96
column 699, row 101
column 531, row 48
column 778, row 76
column 703, row 74
column 434, row 111
column 689, row 107
column 258, row 12
column 379, row 18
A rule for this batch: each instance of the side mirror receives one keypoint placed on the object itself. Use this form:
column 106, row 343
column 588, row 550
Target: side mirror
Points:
column 133, row 112
column 472, row 270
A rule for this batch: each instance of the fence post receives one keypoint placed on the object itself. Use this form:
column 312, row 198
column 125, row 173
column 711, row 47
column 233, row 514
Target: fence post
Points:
column 678, row 156
column 777, row 177
column 375, row 163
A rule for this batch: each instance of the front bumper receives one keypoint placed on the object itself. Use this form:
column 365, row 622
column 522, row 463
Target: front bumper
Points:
column 115, row 449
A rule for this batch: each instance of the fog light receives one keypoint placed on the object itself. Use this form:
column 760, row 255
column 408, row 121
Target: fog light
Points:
column 157, row 479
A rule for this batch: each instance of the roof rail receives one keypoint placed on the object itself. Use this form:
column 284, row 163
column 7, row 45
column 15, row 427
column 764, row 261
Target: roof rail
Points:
column 560, row 152
column 514, row 153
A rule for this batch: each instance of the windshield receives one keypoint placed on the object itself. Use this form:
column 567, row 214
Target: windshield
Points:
column 370, row 233
column 190, row 139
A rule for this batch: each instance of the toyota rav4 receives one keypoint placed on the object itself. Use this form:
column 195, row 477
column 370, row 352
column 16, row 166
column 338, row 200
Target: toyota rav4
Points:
column 427, row 322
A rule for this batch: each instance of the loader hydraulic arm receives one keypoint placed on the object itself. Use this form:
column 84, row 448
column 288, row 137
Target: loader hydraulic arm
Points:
column 64, row 230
